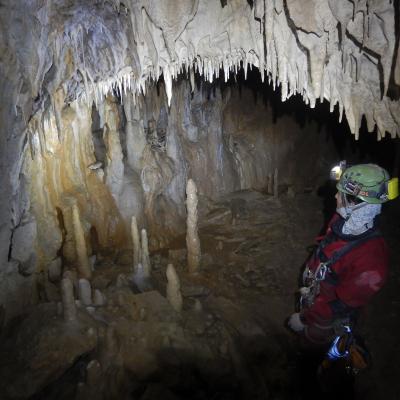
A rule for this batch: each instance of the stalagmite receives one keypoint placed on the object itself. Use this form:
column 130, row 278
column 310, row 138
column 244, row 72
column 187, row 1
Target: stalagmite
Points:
column 84, row 292
column 98, row 298
column 68, row 300
column 83, row 261
column 192, row 237
column 145, row 255
column 174, row 295
column 136, row 243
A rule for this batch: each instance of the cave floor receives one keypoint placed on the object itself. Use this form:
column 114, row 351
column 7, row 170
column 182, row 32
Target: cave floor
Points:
column 230, row 340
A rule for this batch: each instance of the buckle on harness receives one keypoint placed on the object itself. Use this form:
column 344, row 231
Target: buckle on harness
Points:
column 321, row 271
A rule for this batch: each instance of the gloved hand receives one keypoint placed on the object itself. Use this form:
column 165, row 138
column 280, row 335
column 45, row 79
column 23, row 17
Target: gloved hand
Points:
column 295, row 323
column 304, row 291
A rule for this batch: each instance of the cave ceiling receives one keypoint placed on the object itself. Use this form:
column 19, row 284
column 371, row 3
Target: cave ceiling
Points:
column 53, row 53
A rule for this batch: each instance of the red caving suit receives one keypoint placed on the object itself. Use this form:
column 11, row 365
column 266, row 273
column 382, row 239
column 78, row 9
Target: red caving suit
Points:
column 359, row 274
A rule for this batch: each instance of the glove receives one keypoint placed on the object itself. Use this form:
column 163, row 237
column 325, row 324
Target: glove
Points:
column 295, row 323
column 304, row 291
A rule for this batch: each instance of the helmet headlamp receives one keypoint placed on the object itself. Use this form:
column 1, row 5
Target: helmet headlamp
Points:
column 337, row 170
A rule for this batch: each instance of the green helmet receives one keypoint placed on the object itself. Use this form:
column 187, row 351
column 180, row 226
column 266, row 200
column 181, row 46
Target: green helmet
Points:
column 368, row 182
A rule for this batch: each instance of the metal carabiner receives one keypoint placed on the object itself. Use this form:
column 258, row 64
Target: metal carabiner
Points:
column 321, row 272
column 308, row 276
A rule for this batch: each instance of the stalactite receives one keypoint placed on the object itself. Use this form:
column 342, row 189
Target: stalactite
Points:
column 174, row 295
column 192, row 237
column 281, row 38
column 83, row 260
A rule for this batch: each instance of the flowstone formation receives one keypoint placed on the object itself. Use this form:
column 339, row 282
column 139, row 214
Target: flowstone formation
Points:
column 86, row 121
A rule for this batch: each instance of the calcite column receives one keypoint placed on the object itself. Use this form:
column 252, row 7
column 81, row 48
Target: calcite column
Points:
column 192, row 236
column 135, row 134
column 83, row 259
column 174, row 295
column 136, row 243
column 114, row 171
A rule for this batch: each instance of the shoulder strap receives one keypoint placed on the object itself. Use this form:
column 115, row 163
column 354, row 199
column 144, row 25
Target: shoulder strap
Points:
column 328, row 239
column 350, row 246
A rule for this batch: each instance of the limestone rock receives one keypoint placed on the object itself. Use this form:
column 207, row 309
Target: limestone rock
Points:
column 49, row 349
column 85, row 292
column 145, row 254
column 136, row 243
column 177, row 256
column 68, row 300
column 83, row 260
column 174, row 295
column 55, row 270
column 92, row 261
column 192, row 236
column 99, row 298
column 23, row 241
column 142, row 280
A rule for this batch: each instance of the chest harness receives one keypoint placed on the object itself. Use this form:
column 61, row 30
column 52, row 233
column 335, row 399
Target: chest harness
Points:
column 324, row 271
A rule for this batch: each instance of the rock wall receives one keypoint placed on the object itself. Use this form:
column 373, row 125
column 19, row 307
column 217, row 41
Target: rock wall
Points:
column 115, row 161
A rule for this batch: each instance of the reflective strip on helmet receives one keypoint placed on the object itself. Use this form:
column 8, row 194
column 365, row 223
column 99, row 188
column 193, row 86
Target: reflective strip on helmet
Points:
column 393, row 188
column 352, row 188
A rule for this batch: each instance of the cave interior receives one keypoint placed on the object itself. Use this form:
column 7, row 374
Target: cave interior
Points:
column 165, row 174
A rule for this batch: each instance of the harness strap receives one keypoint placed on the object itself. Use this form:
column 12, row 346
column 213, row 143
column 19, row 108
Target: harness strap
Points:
column 325, row 273
column 350, row 246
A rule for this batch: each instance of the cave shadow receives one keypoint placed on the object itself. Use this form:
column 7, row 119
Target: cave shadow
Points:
column 257, row 368
column 294, row 107
column 366, row 149
column 263, row 368
column 63, row 230
column 94, row 240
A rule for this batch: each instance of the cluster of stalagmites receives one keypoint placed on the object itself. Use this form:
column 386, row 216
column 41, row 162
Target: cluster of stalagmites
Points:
column 141, row 268
column 77, row 293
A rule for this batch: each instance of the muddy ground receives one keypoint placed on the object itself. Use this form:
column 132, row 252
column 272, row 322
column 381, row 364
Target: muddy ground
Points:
column 230, row 340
